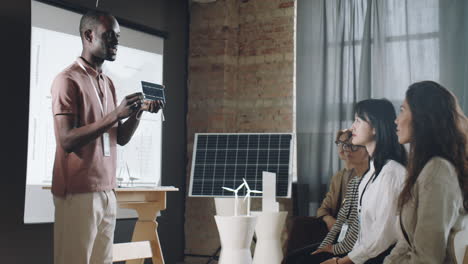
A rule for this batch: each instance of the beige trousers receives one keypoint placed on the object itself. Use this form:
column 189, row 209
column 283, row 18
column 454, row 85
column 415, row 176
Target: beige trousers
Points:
column 84, row 228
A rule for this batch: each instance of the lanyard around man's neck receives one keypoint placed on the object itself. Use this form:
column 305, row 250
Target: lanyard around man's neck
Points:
column 103, row 104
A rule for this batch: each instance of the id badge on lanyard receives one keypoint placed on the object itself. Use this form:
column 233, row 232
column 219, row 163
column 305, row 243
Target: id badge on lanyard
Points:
column 106, row 144
column 344, row 230
column 105, row 136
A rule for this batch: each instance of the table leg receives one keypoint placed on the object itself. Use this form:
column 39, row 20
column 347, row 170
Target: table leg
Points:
column 146, row 229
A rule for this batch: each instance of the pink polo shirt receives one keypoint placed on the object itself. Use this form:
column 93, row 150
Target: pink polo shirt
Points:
column 86, row 169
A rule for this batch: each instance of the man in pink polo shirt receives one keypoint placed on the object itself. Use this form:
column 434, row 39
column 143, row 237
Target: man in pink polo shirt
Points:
column 88, row 125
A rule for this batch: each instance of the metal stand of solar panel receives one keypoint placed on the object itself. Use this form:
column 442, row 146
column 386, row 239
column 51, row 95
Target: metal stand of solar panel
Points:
column 225, row 159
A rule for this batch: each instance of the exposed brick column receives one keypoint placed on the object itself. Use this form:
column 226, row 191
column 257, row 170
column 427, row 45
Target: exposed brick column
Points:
column 241, row 72
column 266, row 64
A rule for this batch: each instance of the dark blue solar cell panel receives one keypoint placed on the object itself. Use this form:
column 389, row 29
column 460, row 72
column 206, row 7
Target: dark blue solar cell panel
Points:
column 283, row 169
column 261, row 168
column 212, row 143
column 229, row 182
column 201, row 141
column 251, row 172
column 222, row 141
column 216, row 185
column 210, row 157
column 196, row 189
column 221, row 156
column 224, row 159
column 200, row 156
column 199, row 171
column 208, row 171
column 219, row 171
column 242, row 156
column 233, row 141
column 274, row 141
column 231, row 157
column 273, row 156
column 253, row 141
column 286, row 141
column 284, row 157
column 252, row 156
column 207, row 188
column 263, row 156
column 241, row 170
column 243, row 141
column 230, row 170
column 264, row 141
column 217, row 190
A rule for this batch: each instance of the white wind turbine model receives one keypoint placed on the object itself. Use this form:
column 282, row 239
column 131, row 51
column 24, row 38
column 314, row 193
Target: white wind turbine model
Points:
column 247, row 195
column 235, row 195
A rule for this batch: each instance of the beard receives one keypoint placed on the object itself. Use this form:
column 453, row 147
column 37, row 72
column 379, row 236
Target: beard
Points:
column 106, row 52
column 111, row 57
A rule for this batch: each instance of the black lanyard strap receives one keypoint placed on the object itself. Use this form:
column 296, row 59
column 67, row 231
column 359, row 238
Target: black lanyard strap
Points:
column 353, row 198
column 372, row 177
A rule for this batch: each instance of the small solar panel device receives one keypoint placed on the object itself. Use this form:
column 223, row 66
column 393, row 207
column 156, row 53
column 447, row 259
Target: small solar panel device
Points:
column 153, row 91
column 224, row 160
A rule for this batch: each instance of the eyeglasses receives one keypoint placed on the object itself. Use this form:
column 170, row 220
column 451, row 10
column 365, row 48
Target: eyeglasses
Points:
column 346, row 146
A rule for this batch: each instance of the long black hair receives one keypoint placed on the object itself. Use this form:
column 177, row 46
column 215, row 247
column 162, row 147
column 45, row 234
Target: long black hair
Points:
column 380, row 115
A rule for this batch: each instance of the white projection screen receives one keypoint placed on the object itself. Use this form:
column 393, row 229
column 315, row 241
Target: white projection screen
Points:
column 55, row 44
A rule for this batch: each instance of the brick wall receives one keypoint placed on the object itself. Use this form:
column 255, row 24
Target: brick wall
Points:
column 241, row 73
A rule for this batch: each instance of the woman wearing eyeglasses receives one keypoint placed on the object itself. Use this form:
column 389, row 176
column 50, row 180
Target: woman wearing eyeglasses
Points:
column 356, row 160
column 434, row 200
column 374, row 128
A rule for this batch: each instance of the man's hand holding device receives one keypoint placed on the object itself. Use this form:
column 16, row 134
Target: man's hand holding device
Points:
column 153, row 97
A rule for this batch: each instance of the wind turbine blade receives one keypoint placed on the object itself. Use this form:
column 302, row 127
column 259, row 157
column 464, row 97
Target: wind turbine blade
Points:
column 246, row 184
column 229, row 189
column 240, row 187
column 247, row 196
column 255, row 191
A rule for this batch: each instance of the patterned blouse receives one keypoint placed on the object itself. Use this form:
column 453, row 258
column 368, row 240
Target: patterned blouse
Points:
column 348, row 214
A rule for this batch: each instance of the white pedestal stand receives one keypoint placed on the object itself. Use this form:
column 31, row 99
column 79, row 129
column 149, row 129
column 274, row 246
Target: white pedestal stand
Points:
column 268, row 229
column 235, row 233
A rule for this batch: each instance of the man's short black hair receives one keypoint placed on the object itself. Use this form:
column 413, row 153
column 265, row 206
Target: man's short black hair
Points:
column 91, row 19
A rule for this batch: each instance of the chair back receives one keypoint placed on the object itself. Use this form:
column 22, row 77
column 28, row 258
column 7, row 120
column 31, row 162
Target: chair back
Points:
column 460, row 243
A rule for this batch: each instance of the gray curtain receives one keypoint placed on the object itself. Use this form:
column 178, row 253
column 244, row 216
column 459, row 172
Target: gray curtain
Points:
column 350, row 50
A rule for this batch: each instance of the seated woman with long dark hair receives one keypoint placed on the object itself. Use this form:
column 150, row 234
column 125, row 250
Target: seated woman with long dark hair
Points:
column 374, row 128
column 435, row 196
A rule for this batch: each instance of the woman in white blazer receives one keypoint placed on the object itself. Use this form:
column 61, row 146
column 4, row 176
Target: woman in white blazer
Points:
column 374, row 128
column 434, row 198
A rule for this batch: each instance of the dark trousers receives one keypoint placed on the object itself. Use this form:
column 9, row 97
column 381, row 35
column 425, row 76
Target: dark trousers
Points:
column 305, row 230
column 303, row 256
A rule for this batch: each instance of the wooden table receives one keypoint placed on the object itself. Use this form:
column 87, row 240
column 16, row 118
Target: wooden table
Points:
column 148, row 202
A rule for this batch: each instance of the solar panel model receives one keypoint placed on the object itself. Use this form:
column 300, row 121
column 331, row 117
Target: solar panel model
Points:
column 223, row 160
column 153, row 91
